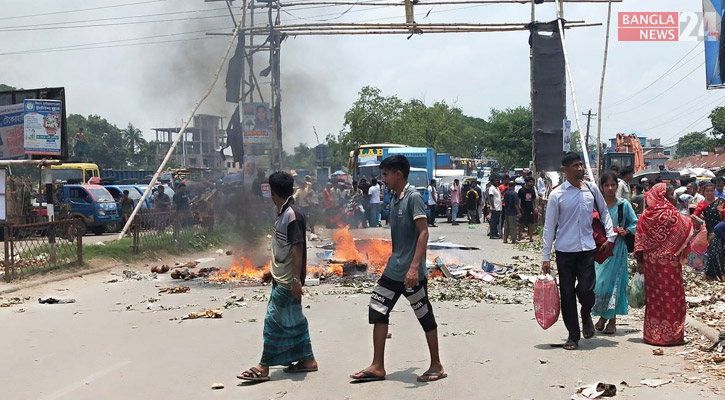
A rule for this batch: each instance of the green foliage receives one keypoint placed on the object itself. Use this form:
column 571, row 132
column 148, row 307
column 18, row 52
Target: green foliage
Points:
column 6, row 88
column 717, row 118
column 108, row 147
column 374, row 118
column 302, row 158
column 508, row 136
column 693, row 143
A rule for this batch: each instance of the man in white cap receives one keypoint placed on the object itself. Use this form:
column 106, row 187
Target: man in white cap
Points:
column 645, row 184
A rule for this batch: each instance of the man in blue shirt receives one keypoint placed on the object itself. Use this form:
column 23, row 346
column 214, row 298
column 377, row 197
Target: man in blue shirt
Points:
column 719, row 187
column 405, row 273
column 569, row 215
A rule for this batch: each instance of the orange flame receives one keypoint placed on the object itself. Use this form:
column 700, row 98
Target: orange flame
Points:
column 242, row 269
column 374, row 252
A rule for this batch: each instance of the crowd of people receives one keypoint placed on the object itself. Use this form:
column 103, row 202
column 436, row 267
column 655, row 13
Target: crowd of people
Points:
column 355, row 204
column 656, row 222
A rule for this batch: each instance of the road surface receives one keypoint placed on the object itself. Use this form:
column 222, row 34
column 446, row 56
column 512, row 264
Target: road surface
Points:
column 112, row 343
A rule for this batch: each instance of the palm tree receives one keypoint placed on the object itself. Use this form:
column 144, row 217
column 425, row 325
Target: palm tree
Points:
column 133, row 137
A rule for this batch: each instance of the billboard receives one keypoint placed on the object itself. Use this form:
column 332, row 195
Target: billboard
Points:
column 11, row 132
column 714, row 53
column 17, row 97
column 42, row 126
column 255, row 123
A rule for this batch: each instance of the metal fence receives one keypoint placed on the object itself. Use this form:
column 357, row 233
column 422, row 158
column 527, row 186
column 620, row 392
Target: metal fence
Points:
column 157, row 230
column 39, row 247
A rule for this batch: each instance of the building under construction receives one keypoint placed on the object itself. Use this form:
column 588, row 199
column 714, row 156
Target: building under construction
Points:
column 199, row 146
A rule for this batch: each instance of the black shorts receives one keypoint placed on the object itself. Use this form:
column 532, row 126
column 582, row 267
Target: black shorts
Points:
column 386, row 294
column 527, row 218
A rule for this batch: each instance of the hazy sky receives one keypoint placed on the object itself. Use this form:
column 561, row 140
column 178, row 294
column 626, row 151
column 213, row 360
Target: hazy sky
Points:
column 153, row 85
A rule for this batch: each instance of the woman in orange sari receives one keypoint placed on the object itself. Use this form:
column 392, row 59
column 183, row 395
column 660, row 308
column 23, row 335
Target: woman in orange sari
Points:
column 663, row 237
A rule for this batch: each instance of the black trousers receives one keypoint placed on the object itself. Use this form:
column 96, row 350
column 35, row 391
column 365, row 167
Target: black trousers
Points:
column 576, row 280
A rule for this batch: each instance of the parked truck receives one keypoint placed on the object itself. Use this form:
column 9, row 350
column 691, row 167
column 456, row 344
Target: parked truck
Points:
column 422, row 166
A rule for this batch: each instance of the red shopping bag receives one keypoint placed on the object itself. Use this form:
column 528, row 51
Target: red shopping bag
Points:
column 546, row 301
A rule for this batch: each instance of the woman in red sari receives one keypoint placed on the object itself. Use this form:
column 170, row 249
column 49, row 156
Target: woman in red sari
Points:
column 663, row 237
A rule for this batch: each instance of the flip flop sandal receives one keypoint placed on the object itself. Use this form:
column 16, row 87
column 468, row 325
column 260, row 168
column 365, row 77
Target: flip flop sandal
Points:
column 426, row 377
column 610, row 329
column 298, row 367
column 253, row 374
column 570, row 345
column 367, row 377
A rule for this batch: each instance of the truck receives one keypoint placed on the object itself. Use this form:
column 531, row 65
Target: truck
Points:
column 126, row 177
column 422, row 167
column 93, row 205
column 443, row 161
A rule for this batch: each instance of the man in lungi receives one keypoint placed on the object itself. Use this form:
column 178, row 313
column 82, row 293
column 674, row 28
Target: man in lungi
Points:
column 405, row 274
column 286, row 333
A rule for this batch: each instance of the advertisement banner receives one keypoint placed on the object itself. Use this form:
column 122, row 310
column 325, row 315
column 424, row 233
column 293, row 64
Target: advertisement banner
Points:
column 714, row 52
column 42, row 121
column 254, row 164
column 11, row 132
column 567, row 136
column 256, row 125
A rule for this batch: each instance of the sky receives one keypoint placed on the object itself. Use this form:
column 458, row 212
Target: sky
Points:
column 656, row 88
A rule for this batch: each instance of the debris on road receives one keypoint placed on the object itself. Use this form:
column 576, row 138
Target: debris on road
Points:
column 234, row 301
column 175, row 290
column 658, row 352
column 53, row 300
column 462, row 333
column 160, row 269
column 189, row 264
column 14, row 301
column 217, row 386
column 186, row 275
column 656, row 382
column 241, row 321
column 138, row 276
column 208, row 313
column 595, row 391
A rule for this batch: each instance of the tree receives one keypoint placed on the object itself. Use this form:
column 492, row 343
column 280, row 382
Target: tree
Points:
column 107, row 146
column 303, row 158
column 133, row 137
column 694, row 143
column 6, row 88
column 507, row 137
column 717, row 118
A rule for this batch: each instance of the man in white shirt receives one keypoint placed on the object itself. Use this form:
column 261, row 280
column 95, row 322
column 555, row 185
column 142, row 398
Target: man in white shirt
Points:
column 569, row 216
column 494, row 197
column 374, row 193
column 432, row 203
column 624, row 191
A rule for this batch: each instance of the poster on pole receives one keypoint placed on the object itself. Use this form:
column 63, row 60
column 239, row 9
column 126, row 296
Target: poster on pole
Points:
column 42, row 127
column 255, row 123
column 567, row 136
column 11, row 132
column 714, row 52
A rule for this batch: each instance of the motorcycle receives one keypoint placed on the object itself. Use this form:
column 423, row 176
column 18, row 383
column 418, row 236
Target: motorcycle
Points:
column 354, row 212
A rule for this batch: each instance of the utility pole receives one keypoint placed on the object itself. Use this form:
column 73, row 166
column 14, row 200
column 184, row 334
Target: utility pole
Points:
column 589, row 116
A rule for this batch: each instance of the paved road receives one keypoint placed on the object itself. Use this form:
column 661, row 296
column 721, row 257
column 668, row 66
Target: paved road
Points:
column 97, row 349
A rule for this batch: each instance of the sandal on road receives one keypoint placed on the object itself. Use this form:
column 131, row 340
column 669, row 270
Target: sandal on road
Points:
column 432, row 376
column 299, row 367
column 611, row 329
column 253, row 374
column 571, row 345
column 367, row 376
